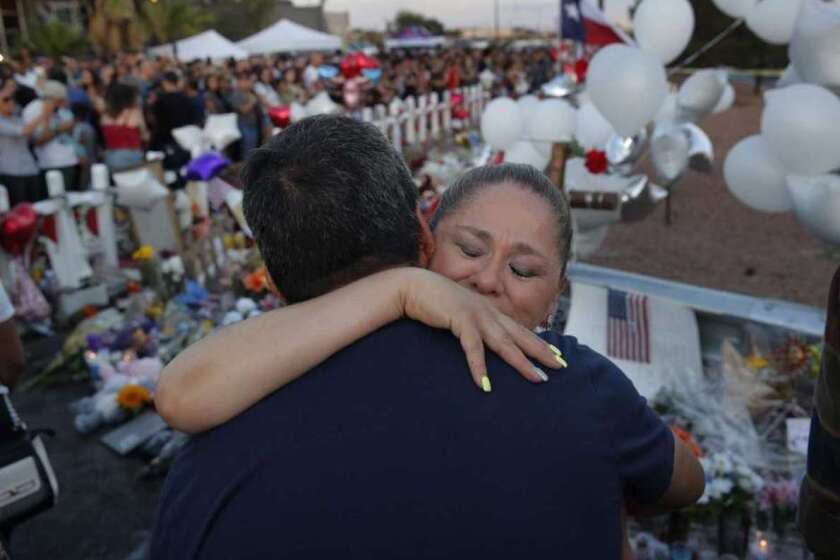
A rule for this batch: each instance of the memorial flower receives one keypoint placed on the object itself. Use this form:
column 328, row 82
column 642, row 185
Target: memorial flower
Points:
column 596, row 161
column 133, row 397
column 144, row 253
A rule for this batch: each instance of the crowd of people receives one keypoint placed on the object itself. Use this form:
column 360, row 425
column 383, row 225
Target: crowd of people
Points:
column 67, row 114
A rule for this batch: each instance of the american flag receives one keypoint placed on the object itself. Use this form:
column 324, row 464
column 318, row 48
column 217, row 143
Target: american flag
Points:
column 628, row 326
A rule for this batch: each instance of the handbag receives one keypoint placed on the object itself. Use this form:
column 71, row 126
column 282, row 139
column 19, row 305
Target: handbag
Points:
column 28, row 484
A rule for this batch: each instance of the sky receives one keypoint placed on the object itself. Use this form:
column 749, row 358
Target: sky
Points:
column 537, row 14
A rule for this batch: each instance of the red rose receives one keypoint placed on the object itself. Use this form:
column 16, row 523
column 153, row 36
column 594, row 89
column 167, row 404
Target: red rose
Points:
column 596, row 161
column 581, row 68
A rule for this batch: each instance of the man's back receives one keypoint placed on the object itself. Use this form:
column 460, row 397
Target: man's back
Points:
column 387, row 450
column 171, row 110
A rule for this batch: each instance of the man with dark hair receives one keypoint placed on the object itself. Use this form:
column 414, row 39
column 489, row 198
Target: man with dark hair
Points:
column 172, row 109
column 316, row 246
column 386, row 449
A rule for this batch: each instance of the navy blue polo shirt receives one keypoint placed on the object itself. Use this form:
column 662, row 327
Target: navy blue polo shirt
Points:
column 388, row 450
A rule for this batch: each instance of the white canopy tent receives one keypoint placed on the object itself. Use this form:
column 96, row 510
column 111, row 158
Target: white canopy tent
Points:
column 288, row 36
column 209, row 44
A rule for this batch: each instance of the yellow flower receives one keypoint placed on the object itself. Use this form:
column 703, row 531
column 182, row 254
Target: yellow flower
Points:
column 154, row 311
column 257, row 281
column 133, row 397
column 144, row 253
column 757, row 362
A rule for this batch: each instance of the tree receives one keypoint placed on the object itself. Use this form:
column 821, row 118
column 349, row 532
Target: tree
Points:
column 236, row 19
column 405, row 18
column 114, row 25
column 170, row 20
column 741, row 49
column 55, row 38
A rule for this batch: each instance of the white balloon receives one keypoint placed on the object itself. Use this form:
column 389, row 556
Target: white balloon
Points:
column 815, row 46
column 627, row 86
column 816, row 203
column 591, row 128
column 664, row 27
column 670, row 112
column 727, row 100
column 701, row 152
column 800, row 123
column 297, row 111
column 501, row 123
column 735, row 8
column 669, row 153
column 525, row 152
column 773, row 20
column 527, row 103
column 789, row 77
column 552, row 120
column 701, row 92
column 755, row 177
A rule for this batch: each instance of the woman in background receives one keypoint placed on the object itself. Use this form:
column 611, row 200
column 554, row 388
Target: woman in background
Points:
column 123, row 128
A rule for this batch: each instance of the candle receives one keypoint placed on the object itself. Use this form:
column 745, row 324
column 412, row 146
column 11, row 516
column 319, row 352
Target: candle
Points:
column 4, row 200
column 760, row 548
column 99, row 176
column 55, row 183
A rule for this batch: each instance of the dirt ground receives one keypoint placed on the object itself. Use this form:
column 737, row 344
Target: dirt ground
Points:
column 716, row 242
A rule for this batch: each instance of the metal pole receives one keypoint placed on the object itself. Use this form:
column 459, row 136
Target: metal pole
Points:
column 496, row 18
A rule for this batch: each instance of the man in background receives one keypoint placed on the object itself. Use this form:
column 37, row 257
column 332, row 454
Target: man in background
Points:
column 172, row 109
column 54, row 146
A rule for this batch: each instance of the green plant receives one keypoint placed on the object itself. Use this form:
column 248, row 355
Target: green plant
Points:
column 170, row 20
column 54, row 38
column 405, row 18
column 236, row 19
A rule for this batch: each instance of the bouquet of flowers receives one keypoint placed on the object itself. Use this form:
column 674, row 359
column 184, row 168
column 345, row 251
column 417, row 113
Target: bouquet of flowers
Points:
column 730, row 485
column 777, row 503
column 172, row 270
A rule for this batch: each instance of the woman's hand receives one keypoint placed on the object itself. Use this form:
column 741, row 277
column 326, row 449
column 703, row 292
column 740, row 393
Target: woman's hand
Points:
column 439, row 302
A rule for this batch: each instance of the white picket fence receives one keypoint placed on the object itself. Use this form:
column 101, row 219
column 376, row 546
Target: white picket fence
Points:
column 413, row 121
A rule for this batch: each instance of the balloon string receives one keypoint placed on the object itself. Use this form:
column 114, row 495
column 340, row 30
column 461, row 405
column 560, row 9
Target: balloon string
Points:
column 708, row 46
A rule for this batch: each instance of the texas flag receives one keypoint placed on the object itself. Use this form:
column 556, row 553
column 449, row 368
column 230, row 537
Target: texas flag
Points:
column 583, row 21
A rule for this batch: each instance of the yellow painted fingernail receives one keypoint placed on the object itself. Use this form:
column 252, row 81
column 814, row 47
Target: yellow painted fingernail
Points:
column 558, row 355
column 485, row 384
